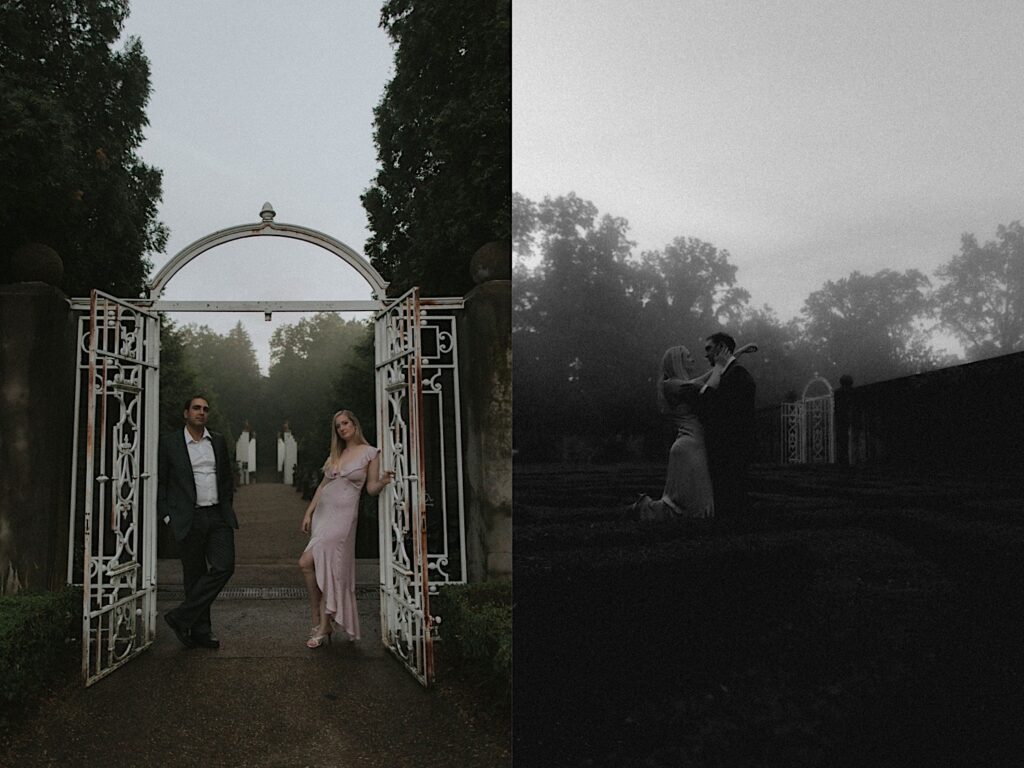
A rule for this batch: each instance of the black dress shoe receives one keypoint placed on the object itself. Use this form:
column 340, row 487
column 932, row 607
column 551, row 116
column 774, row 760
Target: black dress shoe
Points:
column 206, row 641
column 180, row 632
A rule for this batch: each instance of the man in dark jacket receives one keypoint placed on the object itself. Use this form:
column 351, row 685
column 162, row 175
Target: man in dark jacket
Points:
column 727, row 413
column 195, row 487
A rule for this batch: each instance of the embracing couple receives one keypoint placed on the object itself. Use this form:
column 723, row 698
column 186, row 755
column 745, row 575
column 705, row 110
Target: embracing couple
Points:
column 714, row 418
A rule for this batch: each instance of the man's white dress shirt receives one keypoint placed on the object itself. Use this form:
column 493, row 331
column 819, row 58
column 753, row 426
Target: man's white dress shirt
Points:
column 204, row 467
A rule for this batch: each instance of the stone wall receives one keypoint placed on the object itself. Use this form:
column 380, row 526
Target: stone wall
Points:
column 37, row 341
column 967, row 417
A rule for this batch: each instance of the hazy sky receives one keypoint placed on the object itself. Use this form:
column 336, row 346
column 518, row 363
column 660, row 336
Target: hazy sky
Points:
column 809, row 139
column 252, row 102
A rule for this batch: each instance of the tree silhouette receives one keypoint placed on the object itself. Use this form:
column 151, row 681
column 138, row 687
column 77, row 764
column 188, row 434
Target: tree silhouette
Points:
column 443, row 136
column 871, row 327
column 981, row 299
column 72, row 111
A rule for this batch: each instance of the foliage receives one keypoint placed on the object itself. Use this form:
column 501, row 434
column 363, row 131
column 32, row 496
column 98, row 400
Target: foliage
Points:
column 307, row 359
column 689, row 289
column 981, row 299
column 784, row 362
column 871, row 327
column 178, row 377
column 228, row 372
column 354, row 388
column 443, row 137
column 38, row 634
column 72, row 111
column 590, row 322
column 477, row 626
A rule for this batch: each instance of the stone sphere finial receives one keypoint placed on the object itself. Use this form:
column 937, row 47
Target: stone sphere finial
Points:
column 267, row 212
column 492, row 261
column 36, row 262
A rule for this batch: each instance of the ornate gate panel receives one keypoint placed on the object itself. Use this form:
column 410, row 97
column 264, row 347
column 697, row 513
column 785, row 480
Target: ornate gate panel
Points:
column 808, row 428
column 442, row 430
column 821, row 443
column 113, row 498
column 794, row 444
column 404, row 582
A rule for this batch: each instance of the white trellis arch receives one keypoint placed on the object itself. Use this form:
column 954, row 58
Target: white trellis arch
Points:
column 113, row 499
column 808, row 427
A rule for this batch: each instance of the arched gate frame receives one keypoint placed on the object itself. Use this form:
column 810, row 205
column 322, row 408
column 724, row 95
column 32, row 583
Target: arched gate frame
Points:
column 113, row 499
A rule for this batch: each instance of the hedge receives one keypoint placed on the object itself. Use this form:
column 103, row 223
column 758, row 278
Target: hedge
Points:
column 38, row 640
column 476, row 627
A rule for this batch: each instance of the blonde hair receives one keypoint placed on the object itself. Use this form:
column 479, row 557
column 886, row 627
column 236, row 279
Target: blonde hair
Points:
column 672, row 367
column 337, row 444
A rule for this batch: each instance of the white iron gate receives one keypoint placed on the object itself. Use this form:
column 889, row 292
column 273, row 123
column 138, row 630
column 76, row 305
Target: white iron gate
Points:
column 808, row 428
column 441, row 415
column 113, row 496
column 404, row 582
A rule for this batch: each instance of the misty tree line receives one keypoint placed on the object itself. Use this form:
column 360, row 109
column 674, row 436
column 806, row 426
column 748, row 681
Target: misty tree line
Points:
column 318, row 365
column 591, row 319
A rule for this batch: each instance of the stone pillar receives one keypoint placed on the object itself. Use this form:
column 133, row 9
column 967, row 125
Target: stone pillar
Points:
column 37, row 363
column 485, row 378
column 842, row 399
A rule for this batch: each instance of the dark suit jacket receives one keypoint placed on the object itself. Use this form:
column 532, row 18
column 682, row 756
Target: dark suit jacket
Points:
column 727, row 414
column 176, row 485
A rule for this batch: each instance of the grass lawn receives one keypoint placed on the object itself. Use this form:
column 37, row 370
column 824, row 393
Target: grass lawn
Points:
column 853, row 618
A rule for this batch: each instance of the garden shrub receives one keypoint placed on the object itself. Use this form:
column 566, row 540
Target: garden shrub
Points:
column 38, row 640
column 476, row 627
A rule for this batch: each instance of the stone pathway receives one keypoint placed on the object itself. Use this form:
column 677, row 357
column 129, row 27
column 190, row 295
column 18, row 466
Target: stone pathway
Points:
column 263, row 699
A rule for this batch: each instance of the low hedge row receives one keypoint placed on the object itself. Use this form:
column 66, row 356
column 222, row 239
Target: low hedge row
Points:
column 38, row 641
column 476, row 627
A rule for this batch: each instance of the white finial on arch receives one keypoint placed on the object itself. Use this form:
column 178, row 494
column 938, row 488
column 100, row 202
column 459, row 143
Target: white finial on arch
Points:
column 267, row 227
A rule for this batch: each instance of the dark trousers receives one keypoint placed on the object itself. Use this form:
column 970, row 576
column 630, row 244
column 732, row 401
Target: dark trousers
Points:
column 207, row 562
column 729, row 483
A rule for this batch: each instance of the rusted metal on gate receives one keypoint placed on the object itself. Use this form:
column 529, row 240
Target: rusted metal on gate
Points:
column 405, row 585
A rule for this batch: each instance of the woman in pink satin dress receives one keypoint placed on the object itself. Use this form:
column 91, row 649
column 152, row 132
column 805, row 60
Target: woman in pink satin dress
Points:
column 328, row 563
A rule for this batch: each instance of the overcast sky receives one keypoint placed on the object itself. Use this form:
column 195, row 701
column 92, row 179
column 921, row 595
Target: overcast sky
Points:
column 257, row 101
column 809, row 139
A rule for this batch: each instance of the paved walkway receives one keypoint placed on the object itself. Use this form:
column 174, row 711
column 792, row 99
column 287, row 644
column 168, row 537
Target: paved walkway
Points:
column 263, row 699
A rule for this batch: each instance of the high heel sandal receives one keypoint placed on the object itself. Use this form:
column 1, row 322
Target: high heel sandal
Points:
column 317, row 640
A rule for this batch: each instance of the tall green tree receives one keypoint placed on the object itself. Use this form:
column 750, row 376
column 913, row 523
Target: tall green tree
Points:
column 785, row 361
column 590, row 321
column 227, row 369
column 871, row 327
column 306, row 361
column 443, row 137
column 178, row 379
column 574, row 323
column 981, row 296
column 72, row 112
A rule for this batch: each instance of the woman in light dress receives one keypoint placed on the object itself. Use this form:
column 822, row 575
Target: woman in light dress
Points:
column 688, row 490
column 328, row 563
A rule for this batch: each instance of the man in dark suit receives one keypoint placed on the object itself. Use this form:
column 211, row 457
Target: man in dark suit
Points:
column 195, row 486
column 727, row 413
